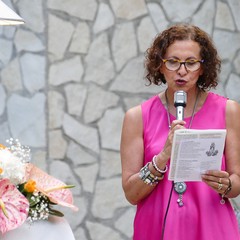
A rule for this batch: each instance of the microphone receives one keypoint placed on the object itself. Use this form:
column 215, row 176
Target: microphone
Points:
column 180, row 101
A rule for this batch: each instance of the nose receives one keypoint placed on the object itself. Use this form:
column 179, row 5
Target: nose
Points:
column 182, row 69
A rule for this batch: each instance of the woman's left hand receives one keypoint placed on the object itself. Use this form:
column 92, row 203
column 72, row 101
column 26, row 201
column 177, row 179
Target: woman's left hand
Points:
column 217, row 180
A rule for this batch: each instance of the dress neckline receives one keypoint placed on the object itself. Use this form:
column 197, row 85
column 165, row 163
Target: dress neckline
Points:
column 196, row 113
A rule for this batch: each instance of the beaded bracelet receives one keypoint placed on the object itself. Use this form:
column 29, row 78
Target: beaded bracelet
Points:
column 156, row 167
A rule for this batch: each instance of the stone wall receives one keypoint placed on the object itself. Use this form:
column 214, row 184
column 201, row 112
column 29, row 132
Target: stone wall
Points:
column 69, row 74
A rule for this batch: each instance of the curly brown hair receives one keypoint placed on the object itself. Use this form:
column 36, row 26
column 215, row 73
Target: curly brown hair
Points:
column 211, row 65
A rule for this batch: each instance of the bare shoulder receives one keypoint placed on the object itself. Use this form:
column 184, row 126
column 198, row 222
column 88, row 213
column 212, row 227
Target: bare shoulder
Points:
column 133, row 121
column 134, row 113
column 233, row 113
column 233, row 108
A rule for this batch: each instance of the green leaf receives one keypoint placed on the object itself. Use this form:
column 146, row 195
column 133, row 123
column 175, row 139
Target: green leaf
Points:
column 55, row 212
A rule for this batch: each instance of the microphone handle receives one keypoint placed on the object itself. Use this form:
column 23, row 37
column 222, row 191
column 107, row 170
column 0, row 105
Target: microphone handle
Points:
column 180, row 112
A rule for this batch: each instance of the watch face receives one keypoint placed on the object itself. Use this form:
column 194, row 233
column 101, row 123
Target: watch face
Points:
column 180, row 187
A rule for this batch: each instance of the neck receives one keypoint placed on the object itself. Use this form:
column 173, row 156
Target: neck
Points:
column 192, row 99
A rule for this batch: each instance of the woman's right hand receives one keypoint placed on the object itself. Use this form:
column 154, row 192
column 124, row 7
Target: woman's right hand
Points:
column 176, row 124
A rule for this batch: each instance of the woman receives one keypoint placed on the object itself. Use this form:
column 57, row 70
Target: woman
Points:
column 184, row 58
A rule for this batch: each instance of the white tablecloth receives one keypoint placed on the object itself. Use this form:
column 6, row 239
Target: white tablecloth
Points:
column 56, row 228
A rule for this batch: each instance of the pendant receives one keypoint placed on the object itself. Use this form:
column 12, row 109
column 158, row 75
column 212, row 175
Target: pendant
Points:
column 180, row 188
column 222, row 201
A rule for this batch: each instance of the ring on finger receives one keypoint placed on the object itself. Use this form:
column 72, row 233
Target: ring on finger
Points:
column 220, row 186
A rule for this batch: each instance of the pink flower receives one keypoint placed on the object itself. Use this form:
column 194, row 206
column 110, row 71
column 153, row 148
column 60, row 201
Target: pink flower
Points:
column 13, row 206
column 51, row 187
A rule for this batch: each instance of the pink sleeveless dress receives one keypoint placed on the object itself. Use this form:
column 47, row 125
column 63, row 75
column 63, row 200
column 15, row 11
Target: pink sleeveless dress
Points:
column 202, row 217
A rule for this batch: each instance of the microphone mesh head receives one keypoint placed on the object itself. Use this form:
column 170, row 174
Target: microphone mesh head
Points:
column 180, row 98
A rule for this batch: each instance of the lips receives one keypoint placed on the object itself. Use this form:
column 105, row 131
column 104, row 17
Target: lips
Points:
column 180, row 81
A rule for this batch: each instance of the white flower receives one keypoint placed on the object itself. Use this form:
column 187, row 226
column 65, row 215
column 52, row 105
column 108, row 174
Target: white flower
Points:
column 12, row 167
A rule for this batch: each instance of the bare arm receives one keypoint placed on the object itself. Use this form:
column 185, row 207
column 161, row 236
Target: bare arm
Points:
column 132, row 155
column 233, row 146
column 232, row 151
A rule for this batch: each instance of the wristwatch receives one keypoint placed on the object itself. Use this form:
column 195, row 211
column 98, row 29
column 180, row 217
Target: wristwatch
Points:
column 148, row 177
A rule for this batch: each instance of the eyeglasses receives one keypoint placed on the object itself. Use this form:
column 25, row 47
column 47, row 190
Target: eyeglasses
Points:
column 191, row 65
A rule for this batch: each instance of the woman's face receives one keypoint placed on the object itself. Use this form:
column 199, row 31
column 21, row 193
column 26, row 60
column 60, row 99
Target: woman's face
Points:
column 182, row 78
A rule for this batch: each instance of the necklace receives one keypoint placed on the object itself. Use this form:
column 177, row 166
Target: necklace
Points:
column 181, row 187
column 193, row 112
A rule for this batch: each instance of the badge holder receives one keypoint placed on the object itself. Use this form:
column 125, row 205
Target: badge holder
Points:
column 180, row 188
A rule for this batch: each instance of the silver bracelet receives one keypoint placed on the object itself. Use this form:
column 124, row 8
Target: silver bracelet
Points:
column 147, row 177
column 222, row 201
column 156, row 167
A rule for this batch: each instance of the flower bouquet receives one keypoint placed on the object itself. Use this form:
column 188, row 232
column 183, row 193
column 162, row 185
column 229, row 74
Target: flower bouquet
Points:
column 26, row 192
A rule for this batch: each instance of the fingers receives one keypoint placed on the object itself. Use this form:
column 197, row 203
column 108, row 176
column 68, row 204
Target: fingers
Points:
column 177, row 124
column 217, row 180
column 215, row 175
